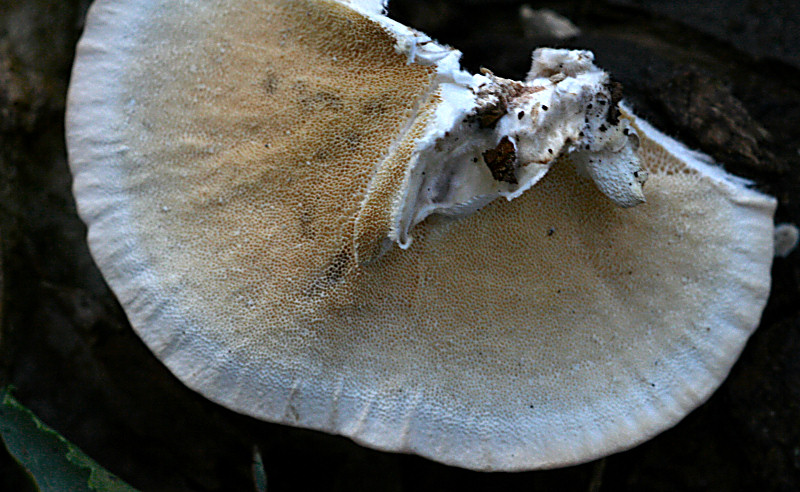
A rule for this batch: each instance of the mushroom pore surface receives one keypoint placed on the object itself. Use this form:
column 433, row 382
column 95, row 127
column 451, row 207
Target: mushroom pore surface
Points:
column 222, row 154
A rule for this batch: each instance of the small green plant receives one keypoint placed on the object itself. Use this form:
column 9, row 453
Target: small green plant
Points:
column 53, row 463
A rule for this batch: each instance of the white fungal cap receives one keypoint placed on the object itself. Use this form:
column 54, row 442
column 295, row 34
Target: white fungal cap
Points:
column 245, row 167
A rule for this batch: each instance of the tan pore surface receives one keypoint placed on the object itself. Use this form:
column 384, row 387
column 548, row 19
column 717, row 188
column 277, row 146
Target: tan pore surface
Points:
column 539, row 332
column 260, row 138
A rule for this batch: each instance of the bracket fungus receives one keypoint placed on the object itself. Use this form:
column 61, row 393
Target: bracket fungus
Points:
column 252, row 174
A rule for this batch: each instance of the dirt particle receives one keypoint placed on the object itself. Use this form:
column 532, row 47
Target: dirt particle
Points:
column 489, row 116
column 502, row 161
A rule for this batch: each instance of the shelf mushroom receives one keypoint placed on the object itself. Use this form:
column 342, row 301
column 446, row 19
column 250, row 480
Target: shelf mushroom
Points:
column 313, row 216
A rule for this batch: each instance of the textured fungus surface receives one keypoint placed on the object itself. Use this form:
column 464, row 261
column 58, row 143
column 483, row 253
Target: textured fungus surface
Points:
column 223, row 192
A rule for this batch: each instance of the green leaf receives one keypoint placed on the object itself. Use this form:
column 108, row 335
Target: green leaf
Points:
column 54, row 463
column 259, row 474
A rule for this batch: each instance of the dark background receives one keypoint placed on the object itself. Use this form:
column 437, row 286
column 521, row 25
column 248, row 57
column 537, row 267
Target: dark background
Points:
column 721, row 75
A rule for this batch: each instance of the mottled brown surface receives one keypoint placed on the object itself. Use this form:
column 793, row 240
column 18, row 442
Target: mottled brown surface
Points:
column 66, row 344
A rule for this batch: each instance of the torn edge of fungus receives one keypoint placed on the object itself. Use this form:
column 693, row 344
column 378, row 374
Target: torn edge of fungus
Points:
column 490, row 137
column 494, row 137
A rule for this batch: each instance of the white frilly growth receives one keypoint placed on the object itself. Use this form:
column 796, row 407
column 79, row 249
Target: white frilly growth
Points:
column 786, row 238
column 609, row 158
column 496, row 137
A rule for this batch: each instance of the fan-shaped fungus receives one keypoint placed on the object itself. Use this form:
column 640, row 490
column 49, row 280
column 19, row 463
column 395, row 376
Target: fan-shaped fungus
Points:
column 252, row 173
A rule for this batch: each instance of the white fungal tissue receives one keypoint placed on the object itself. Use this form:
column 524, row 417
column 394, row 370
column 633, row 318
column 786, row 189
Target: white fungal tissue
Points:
column 497, row 137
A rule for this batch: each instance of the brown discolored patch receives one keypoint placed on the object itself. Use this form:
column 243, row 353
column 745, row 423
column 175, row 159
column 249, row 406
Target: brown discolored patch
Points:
column 344, row 141
column 270, row 83
column 490, row 115
column 337, row 267
column 502, row 94
column 615, row 89
column 332, row 274
column 322, row 100
column 502, row 161
column 377, row 105
column 306, row 225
